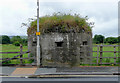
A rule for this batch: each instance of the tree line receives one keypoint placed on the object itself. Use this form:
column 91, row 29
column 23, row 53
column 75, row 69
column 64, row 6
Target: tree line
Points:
column 15, row 40
column 101, row 39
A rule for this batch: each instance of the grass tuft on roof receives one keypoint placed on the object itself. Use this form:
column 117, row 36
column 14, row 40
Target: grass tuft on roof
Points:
column 61, row 22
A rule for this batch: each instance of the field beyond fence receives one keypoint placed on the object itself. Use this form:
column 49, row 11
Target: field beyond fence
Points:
column 10, row 51
column 105, row 54
column 102, row 55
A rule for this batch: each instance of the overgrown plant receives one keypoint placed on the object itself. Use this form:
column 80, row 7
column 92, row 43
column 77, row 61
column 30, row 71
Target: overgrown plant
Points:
column 64, row 22
column 107, row 60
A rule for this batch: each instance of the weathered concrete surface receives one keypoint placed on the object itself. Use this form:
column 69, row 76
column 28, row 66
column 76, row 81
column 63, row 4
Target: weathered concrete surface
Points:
column 45, row 71
column 57, row 49
column 88, row 69
column 7, row 70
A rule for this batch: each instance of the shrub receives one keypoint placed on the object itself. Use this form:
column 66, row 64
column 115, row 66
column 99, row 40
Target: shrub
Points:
column 16, row 43
column 15, row 39
column 24, row 42
column 107, row 60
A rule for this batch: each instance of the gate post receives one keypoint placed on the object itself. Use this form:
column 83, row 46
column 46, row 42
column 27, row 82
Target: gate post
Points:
column 101, row 52
column 97, row 54
column 21, row 56
column 114, row 54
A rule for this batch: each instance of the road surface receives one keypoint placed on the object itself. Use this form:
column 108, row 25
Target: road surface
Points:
column 93, row 78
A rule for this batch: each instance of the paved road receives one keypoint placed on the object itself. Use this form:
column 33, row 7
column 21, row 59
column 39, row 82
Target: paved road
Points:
column 9, row 70
column 114, row 78
column 107, row 70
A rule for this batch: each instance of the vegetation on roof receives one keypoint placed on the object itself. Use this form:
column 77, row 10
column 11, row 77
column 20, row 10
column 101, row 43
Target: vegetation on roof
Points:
column 61, row 22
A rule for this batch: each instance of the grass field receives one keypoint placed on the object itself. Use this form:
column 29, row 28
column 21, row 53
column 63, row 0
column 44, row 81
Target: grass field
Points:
column 106, row 54
column 12, row 48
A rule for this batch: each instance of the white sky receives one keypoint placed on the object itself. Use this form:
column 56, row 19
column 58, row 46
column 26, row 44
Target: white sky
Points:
column 15, row 12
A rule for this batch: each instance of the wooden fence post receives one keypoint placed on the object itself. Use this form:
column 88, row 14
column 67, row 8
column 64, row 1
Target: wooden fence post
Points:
column 114, row 54
column 21, row 56
column 97, row 53
column 101, row 53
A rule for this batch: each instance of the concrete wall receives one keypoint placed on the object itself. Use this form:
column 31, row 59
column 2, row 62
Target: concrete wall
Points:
column 59, row 48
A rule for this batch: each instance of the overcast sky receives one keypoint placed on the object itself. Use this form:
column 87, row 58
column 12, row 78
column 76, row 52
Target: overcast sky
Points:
column 15, row 12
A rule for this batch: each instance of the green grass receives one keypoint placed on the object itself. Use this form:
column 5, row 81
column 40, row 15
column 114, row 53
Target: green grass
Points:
column 106, row 54
column 12, row 48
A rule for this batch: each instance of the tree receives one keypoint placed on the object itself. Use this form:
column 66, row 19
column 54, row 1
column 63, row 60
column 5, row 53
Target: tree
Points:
column 16, row 43
column 15, row 39
column 118, row 39
column 111, row 40
column 0, row 39
column 5, row 39
column 98, row 39
column 24, row 42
